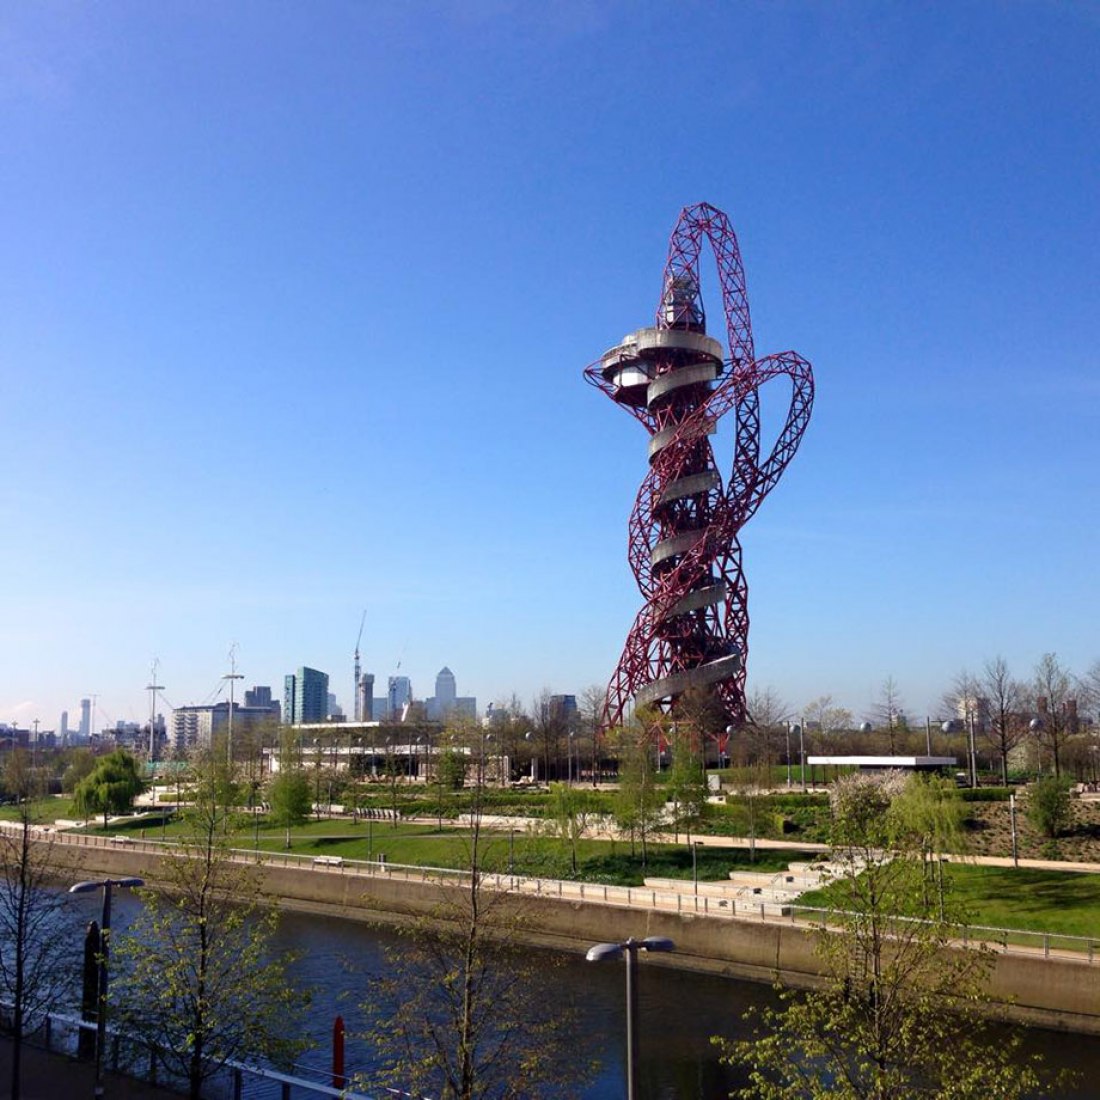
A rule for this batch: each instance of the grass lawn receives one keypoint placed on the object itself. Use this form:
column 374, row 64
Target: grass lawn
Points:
column 422, row 844
column 45, row 810
column 1043, row 901
column 1061, row 902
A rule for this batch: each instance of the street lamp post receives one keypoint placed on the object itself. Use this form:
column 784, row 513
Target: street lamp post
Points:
column 695, row 867
column 628, row 951
column 788, row 756
column 104, row 956
column 801, row 754
column 528, row 737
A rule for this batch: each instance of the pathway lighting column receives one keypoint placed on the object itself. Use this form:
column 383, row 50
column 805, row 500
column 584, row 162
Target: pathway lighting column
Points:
column 972, row 748
column 1012, row 822
column 104, row 958
column 1036, row 727
column 788, row 756
column 801, row 753
column 628, row 951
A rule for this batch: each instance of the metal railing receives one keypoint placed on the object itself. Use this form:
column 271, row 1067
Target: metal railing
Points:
column 739, row 904
column 130, row 1056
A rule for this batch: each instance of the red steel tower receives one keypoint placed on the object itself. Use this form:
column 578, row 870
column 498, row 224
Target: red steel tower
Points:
column 692, row 632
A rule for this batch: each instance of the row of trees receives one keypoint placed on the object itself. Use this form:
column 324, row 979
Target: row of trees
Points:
column 1037, row 722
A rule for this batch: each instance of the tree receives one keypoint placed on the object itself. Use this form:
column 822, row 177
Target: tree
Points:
column 638, row 804
column 929, row 818
column 451, row 769
column 1048, row 805
column 750, row 787
column 764, row 725
column 1053, row 690
column 81, row 763
column 198, row 978
column 37, row 928
column 1006, row 724
column 687, row 783
column 887, row 712
column 571, row 810
column 825, row 715
column 110, row 787
column 289, row 798
column 461, row 1015
column 902, row 1011
column 591, row 703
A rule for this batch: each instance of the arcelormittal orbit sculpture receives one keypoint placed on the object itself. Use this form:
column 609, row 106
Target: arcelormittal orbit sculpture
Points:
column 683, row 545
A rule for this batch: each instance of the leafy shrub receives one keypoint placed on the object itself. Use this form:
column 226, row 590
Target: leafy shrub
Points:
column 1049, row 805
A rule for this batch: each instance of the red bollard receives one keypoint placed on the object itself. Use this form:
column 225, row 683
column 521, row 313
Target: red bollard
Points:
column 339, row 1081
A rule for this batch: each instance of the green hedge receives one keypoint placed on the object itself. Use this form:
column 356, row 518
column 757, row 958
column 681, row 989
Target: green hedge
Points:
column 986, row 794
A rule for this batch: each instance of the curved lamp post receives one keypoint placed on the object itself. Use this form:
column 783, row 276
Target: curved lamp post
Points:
column 628, row 951
column 104, row 955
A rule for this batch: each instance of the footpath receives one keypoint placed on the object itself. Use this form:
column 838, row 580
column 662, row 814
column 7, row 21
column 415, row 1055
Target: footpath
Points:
column 50, row 1076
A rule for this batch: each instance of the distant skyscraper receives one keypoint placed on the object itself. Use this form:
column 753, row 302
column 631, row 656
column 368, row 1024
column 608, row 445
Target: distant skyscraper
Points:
column 366, row 696
column 305, row 697
column 64, row 729
column 445, row 690
column 398, row 693
column 257, row 696
column 562, row 709
column 85, row 719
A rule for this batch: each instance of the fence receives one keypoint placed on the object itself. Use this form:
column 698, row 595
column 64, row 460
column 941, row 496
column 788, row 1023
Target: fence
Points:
column 125, row 1054
column 738, row 904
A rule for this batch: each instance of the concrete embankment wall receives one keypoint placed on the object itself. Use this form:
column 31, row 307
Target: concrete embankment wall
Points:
column 1051, row 992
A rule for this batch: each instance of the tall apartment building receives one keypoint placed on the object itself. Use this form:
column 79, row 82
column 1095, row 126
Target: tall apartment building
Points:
column 305, row 697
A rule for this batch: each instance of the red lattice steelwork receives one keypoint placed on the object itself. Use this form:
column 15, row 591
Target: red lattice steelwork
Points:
column 683, row 545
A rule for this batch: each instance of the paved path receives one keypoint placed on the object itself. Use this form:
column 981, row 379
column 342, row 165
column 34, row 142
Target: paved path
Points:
column 56, row 1076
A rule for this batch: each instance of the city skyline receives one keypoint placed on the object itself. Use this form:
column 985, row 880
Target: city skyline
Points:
column 294, row 306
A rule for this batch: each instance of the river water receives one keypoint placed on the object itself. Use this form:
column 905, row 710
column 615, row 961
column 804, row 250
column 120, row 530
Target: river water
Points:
column 678, row 1012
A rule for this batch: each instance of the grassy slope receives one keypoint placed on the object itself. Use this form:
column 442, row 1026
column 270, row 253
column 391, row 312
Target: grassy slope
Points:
column 1061, row 902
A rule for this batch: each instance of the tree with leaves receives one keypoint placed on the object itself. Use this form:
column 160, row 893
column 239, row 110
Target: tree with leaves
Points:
column 37, row 929
column 80, row 763
column 571, row 810
column 750, row 791
column 686, row 785
column 461, row 1013
column 198, row 979
column 289, row 798
column 110, row 787
column 1048, row 805
column 902, row 1010
column 639, row 803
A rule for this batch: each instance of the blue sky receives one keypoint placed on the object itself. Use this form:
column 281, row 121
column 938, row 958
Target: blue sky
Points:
column 295, row 300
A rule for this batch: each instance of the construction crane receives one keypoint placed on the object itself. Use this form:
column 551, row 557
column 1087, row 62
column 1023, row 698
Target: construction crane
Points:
column 358, row 708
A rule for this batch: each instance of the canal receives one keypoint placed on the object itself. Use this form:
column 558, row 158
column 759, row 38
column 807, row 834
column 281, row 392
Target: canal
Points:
column 679, row 1012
